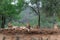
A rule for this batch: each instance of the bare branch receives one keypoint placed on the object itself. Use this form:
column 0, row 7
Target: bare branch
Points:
column 34, row 10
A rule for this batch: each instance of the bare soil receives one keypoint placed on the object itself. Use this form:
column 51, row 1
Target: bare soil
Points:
column 34, row 34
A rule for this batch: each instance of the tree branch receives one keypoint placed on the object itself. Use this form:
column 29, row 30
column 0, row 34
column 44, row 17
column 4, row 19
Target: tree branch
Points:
column 34, row 10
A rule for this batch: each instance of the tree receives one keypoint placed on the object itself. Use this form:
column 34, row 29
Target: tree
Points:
column 51, row 8
column 35, row 6
column 9, row 9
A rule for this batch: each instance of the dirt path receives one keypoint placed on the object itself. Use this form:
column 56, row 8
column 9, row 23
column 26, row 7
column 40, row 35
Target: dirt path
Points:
column 29, row 37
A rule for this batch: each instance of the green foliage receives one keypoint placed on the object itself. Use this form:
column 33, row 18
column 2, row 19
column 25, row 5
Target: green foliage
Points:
column 10, row 10
column 51, row 10
column 51, row 6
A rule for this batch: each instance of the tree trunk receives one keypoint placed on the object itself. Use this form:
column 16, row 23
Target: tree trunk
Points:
column 3, row 21
column 39, row 20
column 38, row 12
column 38, row 15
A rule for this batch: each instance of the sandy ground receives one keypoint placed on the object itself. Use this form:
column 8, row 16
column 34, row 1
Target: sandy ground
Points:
column 29, row 37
